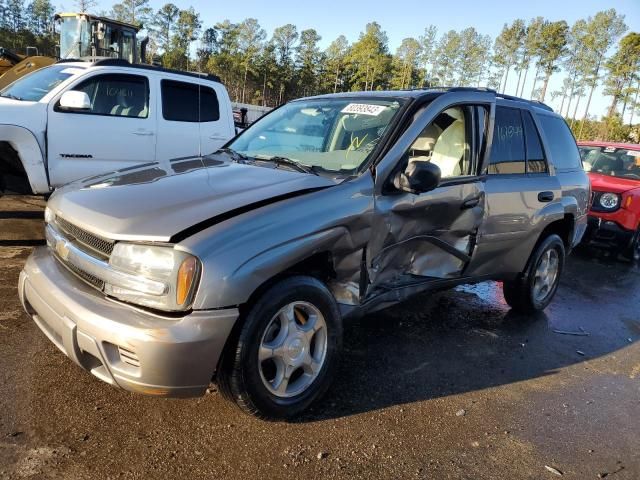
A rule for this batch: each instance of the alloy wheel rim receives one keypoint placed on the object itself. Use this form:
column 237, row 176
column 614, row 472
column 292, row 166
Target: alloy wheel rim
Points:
column 293, row 349
column 546, row 275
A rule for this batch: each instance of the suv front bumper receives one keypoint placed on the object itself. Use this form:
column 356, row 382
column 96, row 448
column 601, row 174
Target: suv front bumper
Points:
column 607, row 233
column 120, row 344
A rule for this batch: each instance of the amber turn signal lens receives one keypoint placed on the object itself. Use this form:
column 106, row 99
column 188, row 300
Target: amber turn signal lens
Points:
column 186, row 276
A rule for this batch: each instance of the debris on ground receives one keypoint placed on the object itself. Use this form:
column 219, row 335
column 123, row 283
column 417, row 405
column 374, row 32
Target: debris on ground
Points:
column 553, row 470
column 485, row 332
column 461, row 413
column 322, row 455
column 581, row 333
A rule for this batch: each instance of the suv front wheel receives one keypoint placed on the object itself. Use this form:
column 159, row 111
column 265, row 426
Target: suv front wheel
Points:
column 535, row 288
column 286, row 352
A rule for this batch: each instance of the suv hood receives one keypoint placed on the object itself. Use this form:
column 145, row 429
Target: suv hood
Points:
column 154, row 205
column 607, row 183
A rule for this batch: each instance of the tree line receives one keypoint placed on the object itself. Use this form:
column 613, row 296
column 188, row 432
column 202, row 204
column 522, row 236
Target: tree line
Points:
column 269, row 70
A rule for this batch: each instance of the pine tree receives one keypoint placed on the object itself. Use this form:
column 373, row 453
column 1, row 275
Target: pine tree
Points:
column 552, row 46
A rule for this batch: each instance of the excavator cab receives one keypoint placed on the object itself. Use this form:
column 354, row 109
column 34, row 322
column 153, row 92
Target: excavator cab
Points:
column 82, row 36
column 87, row 36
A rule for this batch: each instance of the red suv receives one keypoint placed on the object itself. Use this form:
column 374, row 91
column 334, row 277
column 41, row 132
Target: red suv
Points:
column 614, row 216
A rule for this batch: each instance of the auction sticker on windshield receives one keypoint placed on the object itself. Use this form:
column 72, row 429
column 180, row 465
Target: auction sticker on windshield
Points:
column 364, row 109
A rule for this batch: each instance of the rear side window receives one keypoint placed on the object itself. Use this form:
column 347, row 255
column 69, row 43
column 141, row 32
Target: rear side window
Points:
column 508, row 148
column 564, row 151
column 188, row 102
column 535, row 155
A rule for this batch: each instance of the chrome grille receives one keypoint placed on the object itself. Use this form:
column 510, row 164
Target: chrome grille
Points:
column 87, row 277
column 89, row 240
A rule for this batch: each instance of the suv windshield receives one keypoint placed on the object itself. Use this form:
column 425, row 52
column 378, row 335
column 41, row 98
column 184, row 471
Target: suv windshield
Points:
column 616, row 162
column 37, row 84
column 337, row 135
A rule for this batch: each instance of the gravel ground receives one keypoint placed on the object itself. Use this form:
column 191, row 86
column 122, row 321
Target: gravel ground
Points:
column 448, row 385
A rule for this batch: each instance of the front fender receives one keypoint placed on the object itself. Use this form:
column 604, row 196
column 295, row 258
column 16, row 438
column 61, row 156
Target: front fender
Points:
column 242, row 253
column 30, row 154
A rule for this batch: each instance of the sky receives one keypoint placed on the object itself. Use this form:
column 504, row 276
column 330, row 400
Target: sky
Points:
column 407, row 18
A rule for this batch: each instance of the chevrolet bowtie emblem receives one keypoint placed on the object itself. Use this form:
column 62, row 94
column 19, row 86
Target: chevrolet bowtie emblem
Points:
column 62, row 249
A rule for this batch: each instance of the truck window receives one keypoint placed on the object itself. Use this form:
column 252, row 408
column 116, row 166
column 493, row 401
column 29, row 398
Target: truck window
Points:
column 117, row 95
column 180, row 102
column 536, row 162
column 507, row 149
column 36, row 85
column 446, row 143
column 564, row 151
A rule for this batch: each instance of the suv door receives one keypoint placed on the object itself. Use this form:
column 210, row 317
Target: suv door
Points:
column 190, row 123
column 521, row 189
column 425, row 237
column 116, row 132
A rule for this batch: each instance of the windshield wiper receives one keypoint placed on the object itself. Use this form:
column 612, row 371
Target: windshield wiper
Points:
column 301, row 167
column 9, row 95
column 233, row 153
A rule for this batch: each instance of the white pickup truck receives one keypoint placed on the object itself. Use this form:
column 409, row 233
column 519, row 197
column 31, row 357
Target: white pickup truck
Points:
column 75, row 119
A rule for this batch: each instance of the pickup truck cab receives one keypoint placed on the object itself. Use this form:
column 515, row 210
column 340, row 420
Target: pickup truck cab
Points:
column 76, row 119
column 245, row 263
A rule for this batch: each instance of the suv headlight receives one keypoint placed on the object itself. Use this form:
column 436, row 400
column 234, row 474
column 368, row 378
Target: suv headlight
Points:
column 609, row 200
column 167, row 277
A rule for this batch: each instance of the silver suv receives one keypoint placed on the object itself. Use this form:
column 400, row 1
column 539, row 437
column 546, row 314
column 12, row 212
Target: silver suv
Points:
column 242, row 266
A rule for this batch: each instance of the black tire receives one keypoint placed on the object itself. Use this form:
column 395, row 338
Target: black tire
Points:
column 239, row 378
column 519, row 293
column 632, row 252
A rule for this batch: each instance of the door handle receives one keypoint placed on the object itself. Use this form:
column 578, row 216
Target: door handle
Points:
column 472, row 202
column 143, row 133
column 216, row 137
column 545, row 197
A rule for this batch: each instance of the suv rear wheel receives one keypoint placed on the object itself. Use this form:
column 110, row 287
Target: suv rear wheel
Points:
column 286, row 352
column 535, row 288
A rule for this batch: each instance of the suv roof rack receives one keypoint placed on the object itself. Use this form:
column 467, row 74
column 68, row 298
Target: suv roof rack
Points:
column 535, row 103
column 121, row 62
column 471, row 89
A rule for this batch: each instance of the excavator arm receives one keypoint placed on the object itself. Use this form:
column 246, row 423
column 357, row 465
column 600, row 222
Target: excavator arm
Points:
column 14, row 66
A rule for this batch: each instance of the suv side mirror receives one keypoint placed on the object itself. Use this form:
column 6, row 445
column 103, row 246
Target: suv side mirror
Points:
column 74, row 100
column 419, row 177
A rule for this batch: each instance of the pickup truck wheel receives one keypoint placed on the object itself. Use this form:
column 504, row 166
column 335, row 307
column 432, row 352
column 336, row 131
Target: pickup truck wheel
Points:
column 286, row 352
column 535, row 288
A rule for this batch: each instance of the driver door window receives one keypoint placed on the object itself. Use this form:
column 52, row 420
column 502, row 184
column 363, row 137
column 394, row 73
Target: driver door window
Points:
column 446, row 142
column 116, row 95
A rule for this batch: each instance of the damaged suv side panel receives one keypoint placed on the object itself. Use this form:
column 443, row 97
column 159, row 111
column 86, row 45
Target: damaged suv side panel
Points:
column 245, row 252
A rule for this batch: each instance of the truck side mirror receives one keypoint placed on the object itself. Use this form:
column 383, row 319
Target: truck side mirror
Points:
column 74, row 101
column 419, row 177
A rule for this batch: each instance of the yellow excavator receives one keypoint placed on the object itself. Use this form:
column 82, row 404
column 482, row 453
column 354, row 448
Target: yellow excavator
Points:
column 82, row 36
column 14, row 66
